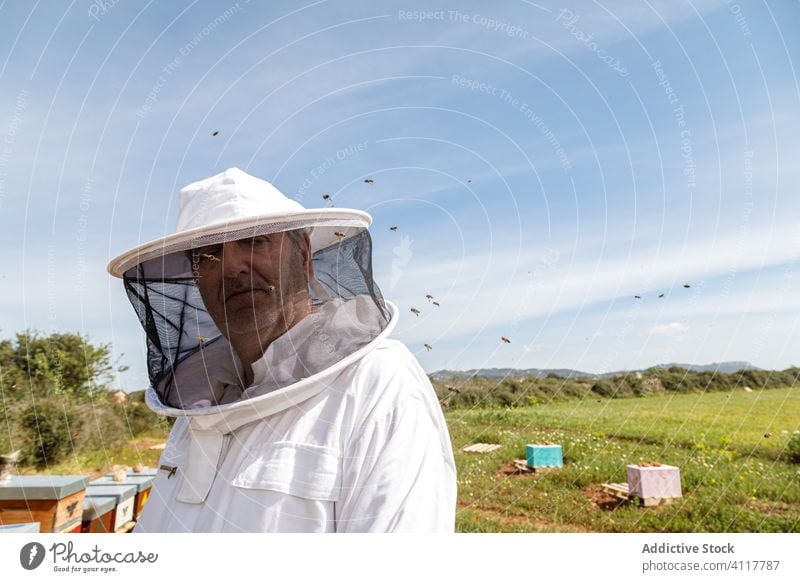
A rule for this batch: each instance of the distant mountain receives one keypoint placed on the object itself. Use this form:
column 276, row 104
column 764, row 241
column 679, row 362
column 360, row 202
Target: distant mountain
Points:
column 498, row 373
column 724, row 367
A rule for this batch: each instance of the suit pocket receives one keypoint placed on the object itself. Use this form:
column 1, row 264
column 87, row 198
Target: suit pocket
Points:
column 299, row 469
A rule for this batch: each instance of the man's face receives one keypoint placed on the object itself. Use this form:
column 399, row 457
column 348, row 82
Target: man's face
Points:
column 255, row 285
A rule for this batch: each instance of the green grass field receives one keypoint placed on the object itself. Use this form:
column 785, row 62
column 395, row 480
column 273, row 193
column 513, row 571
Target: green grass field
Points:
column 734, row 478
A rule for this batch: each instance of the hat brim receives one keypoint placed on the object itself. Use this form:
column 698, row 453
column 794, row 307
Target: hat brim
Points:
column 328, row 227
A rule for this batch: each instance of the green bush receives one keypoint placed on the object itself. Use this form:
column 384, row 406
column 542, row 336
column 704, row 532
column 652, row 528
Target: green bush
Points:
column 793, row 448
column 53, row 428
column 604, row 388
column 102, row 427
column 140, row 420
column 505, row 398
column 49, row 425
column 58, row 364
column 56, row 401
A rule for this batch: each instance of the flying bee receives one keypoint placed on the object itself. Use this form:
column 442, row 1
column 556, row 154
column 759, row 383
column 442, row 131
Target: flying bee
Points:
column 428, row 347
column 505, row 340
column 637, row 296
column 369, row 181
column 415, row 311
column 428, row 296
column 661, row 296
column 215, row 134
column 436, row 303
column 326, row 196
column 270, row 288
column 210, row 257
column 452, row 389
column 686, row 285
column 393, row 228
column 202, row 339
column 339, row 235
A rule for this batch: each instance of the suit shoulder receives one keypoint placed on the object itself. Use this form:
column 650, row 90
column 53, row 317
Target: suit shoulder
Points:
column 391, row 374
column 389, row 359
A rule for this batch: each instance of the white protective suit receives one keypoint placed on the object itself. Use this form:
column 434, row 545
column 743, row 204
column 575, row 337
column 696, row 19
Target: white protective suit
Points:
column 340, row 429
column 360, row 446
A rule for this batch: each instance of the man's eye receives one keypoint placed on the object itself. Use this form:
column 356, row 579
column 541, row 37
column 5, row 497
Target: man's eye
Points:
column 260, row 240
column 209, row 254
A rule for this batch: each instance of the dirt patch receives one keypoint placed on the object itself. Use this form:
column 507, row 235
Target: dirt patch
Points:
column 512, row 470
column 604, row 500
column 519, row 520
column 775, row 508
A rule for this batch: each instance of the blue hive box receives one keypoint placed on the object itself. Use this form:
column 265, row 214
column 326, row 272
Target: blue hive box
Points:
column 149, row 471
column 143, row 482
column 544, row 456
column 124, row 495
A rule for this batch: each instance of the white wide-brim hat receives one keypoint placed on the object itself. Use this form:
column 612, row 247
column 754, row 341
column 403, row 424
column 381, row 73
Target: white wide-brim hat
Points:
column 234, row 205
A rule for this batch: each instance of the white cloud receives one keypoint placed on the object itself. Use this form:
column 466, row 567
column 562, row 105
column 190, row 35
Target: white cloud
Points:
column 490, row 290
column 673, row 328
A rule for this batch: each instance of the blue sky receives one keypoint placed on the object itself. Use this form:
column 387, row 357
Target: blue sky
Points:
column 544, row 163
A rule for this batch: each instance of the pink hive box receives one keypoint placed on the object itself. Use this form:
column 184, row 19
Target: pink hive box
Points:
column 654, row 485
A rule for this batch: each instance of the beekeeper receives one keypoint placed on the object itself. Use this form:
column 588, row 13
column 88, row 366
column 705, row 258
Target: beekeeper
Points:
column 267, row 339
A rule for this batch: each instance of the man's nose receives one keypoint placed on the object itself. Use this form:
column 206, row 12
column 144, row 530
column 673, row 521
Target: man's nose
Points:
column 236, row 259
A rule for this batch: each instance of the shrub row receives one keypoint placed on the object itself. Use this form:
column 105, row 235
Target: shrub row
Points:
column 479, row 391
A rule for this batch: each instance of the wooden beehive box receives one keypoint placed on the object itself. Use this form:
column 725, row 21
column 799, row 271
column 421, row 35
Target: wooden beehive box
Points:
column 124, row 494
column 544, row 455
column 143, row 485
column 654, row 484
column 54, row 501
column 98, row 514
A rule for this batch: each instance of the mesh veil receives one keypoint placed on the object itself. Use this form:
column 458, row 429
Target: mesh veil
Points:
column 190, row 361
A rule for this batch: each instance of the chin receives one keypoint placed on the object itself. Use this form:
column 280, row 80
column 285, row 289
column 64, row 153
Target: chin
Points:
column 244, row 322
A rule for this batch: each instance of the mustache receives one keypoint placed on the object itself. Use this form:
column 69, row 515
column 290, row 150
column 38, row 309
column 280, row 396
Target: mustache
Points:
column 234, row 287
